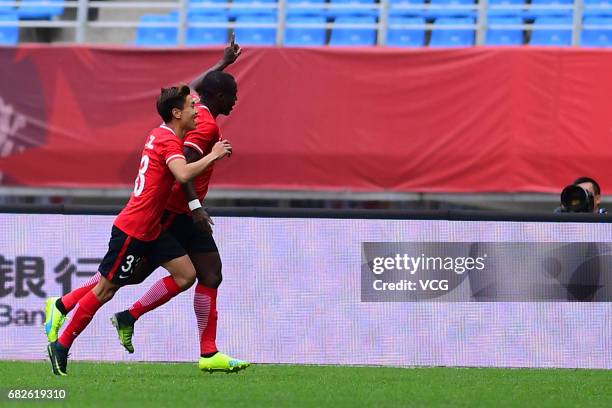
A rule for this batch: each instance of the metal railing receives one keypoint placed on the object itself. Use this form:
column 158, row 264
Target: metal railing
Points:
column 480, row 11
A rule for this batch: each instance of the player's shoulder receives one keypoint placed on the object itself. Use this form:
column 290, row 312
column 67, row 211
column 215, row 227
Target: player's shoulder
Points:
column 164, row 133
column 163, row 138
column 205, row 119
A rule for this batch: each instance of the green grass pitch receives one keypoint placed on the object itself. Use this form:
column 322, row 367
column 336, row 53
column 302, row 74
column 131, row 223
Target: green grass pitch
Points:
column 182, row 385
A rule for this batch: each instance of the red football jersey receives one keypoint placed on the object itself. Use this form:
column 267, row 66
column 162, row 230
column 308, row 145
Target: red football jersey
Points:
column 202, row 139
column 141, row 217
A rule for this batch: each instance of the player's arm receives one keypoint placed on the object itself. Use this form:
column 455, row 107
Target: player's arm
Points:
column 230, row 55
column 198, row 214
column 184, row 172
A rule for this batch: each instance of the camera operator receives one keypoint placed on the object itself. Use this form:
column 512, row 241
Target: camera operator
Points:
column 583, row 196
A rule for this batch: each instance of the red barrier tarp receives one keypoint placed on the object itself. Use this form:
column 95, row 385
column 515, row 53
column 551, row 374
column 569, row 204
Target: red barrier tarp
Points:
column 379, row 119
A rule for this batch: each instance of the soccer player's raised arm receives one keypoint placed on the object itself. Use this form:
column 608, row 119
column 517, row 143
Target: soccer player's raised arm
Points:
column 184, row 172
column 230, row 55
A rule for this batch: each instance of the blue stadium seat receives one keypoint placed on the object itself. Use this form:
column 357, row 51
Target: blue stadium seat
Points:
column 9, row 35
column 7, row 9
column 395, row 10
column 449, row 11
column 255, row 35
column 27, row 12
column 353, row 36
column 504, row 36
column 518, row 12
column 353, row 11
column 206, row 35
column 554, row 37
column 532, row 12
column 604, row 8
column 597, row 37
column 306, row 7
column 216, row 7
column 256, row 7
column 441, row 37
column 157, row 36
column 302, row 36
column 406, row 37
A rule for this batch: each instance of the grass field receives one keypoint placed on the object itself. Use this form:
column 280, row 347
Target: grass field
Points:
column 178, row 385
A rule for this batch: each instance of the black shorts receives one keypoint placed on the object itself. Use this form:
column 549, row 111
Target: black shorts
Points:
column 183, row 229
column 124, row 252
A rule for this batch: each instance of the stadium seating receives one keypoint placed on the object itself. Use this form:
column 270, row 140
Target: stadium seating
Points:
column 553, row 37
column 396, row 10
column 597, row 37
column 157, row 35
column 9, row 35
column 406, row 37
column 213, row 7
column 343, row 36
column 438, row 12
column 449, row 10
column 504, row 36
column 597, row 8
column 501, row 12
column 534, row 12
column 306, row 7
column 305, row 36
column 442, row 37
column 253, row 7
column 206, row 35
column 353, row 11
column 7, row 9
column 255, row 35
column 28, row 12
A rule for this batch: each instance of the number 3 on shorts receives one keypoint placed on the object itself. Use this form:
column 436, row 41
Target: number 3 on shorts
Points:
column 128, row 263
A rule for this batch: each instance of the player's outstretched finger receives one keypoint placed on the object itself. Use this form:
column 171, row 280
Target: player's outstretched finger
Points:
column 233, row 39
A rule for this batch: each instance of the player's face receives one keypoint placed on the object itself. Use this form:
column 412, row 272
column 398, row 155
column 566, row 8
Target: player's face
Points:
column 189, row 114
column 229, row 100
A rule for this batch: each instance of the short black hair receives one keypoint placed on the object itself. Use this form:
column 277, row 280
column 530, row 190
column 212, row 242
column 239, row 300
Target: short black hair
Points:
column 216, row 82
column 171, row 98
column 596, row 188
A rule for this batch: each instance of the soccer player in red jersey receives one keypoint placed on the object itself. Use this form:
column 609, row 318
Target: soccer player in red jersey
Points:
column 190, row 225
column 191, row 228
column 137, row 231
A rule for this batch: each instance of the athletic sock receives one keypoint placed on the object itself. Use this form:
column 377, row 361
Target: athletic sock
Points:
column 205, row 308
column 162, row 291
column 87, row 308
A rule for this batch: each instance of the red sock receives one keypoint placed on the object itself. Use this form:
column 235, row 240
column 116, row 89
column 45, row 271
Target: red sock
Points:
column 162, row 291
column 71, row 299
column 87, row 308
column 205, row 307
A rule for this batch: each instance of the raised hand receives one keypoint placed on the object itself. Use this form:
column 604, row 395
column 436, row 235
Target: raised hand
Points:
column 232, row 51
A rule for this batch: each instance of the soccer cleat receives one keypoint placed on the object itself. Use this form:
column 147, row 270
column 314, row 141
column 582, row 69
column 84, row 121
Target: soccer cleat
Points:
column 58, row 355
column 125, row 332
column 54, row 320
column 222, row 362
